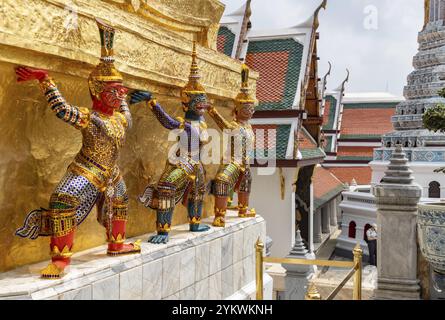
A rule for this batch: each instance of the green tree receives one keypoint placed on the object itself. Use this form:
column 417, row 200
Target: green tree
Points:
column 434, row 118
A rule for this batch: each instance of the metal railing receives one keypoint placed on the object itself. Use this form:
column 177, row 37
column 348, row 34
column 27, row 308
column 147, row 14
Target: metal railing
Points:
column 312, row 293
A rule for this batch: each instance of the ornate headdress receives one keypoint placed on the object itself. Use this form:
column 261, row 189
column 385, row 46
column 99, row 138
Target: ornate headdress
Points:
column 193, row 86
column 105, row 71
column 243, row 96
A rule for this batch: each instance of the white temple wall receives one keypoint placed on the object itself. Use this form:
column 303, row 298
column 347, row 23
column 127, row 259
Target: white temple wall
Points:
column 423, row 173
column 360, row 208
column 278, row 213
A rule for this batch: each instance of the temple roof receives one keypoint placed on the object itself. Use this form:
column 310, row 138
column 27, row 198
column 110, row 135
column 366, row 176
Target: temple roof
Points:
column 352, row 129
column 225, row 40
column 273, row 137
column 279, row 63
column 366, row 120
column 308, row 147
column 362, row 175
column 326, row 186
column 355, row 153
column 329, row 113
column 285, row 60
column 371, row 97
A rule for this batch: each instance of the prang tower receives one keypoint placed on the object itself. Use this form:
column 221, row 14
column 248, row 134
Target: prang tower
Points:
column 425, row 149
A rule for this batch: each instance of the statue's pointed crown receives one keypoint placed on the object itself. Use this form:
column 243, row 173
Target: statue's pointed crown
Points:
column 105, row 71
column 193, row 86
column 244, row 96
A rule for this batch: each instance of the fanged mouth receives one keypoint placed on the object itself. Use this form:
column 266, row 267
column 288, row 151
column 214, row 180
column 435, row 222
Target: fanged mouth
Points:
column 202, row 107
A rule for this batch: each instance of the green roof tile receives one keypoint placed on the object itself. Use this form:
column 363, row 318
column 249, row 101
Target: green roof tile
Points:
column 229, row 40
column 377, row 105
column 282, row 140
column 312, row 153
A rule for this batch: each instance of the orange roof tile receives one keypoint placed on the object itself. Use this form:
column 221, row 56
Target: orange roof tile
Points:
column 362, row 175
column 327, row 112
column 304, row 142
column 220, row 43
column 272, row 67
column 325, row 183
column 355, row 151
column 367, row 121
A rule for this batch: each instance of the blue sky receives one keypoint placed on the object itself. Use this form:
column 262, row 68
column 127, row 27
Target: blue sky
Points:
column 379, row 58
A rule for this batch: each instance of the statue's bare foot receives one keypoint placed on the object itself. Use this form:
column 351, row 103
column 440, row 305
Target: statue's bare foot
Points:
column 118, row 249
column 158, row 239
column 199, row 227
column 54, row 270
column 219, row 222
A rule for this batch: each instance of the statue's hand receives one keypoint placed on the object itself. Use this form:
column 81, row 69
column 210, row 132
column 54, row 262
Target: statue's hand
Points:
column 210, row 108
column 27, row 74
column 139, row 96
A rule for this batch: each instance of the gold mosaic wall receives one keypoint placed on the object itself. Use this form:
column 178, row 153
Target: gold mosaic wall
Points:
column 152, row 47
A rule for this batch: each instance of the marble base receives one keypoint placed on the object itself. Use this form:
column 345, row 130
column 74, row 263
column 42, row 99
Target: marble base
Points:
column 249, row 292
column 213, row 265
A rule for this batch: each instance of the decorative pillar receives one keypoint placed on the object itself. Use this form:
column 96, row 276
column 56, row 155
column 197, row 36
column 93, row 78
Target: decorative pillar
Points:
column 298, row 276
column 397, row 197
column 317, row 226
column 339, row 212
column 333, row 212
column 311, row 219
column 325, row 228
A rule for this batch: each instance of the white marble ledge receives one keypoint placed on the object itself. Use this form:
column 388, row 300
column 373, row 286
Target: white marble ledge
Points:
column 93, row 265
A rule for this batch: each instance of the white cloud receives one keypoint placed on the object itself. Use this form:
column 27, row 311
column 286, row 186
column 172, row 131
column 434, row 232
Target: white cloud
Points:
column 378, row 59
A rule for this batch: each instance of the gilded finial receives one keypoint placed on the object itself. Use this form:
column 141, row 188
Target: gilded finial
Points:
column 243, row 97
column 106, row 39
column 244, row 76
column 194, row 69
column 312, row 293
column 193, row 86
column 427, row 12
column 105, row 71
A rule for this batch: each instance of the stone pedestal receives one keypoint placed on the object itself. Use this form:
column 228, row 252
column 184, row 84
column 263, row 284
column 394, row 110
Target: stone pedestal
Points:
column 397, row 198
column 217, row 264
column 297, row 276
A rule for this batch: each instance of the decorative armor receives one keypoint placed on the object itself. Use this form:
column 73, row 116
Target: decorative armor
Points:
column 184, row 177
column 234, row 174
column 93, row 178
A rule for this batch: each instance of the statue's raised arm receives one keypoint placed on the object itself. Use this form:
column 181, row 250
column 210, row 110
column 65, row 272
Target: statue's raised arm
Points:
column 93, row 179
column 77, row 117
column 183, row 180
column 161, row 115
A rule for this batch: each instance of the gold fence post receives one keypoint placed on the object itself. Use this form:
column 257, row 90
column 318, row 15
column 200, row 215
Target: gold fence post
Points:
column 358, row 254
column 259, row 247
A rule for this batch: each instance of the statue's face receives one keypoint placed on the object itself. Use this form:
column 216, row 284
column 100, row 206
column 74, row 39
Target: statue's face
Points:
column 198, row 103
column 245, row 111
column 113, row 94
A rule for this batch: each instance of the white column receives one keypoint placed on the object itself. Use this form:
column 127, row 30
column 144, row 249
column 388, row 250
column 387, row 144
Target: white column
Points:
column 317, row 226
column 325, row 224
column 333, row 212
column 311, row 219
